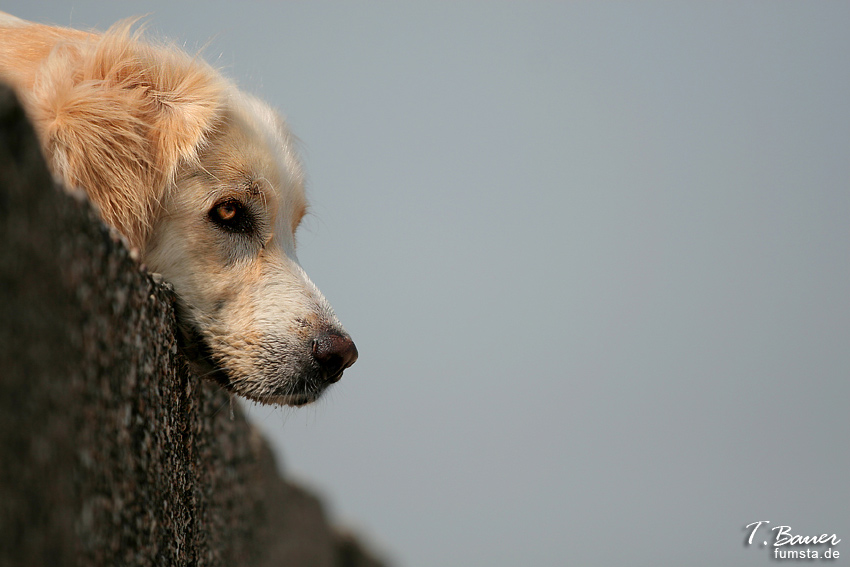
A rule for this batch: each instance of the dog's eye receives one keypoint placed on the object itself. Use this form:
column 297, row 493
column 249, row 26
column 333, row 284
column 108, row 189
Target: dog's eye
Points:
column 226, row 211
column 232, row 216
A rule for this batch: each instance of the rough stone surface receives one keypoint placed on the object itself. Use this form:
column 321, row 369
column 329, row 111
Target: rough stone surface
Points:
column 111, row 452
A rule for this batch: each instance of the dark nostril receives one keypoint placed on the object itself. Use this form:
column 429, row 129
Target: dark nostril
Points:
column 334, row 353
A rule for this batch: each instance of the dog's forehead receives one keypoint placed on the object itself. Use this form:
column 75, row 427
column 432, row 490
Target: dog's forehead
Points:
column 251, row 149
column 271, row 150
column 271, row 133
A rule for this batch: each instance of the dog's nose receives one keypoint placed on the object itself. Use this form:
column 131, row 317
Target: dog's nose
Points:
column 334, row 353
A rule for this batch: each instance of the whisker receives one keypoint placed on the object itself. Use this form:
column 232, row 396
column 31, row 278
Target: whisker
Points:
column 221, row 407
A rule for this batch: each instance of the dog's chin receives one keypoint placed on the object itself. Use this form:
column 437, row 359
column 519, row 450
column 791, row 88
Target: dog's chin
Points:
column 203, row 364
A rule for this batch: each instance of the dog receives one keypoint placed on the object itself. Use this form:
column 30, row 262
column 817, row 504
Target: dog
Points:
column 203, row 180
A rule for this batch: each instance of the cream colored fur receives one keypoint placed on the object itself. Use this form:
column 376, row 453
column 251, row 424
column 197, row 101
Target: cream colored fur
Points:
column 165, row 147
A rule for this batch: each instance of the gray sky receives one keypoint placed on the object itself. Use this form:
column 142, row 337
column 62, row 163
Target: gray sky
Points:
column 595, row 257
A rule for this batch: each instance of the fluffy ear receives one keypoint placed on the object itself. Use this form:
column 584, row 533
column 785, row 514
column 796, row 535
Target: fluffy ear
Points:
column 117, row 116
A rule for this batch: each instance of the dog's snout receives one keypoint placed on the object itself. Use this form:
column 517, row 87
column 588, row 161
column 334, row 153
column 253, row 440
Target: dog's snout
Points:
column 334, row 353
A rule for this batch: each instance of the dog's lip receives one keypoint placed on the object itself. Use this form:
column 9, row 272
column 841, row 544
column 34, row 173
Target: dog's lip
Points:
column 199, row 354
column 334, row 378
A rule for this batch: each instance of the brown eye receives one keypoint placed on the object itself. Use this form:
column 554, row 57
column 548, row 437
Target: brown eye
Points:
column 226, row 211
column 231, row 215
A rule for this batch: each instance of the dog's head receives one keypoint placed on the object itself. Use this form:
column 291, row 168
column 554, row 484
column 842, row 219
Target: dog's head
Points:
column 205, row 181
column 226, row 241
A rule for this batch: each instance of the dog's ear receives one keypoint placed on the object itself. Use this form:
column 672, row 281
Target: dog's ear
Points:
column 118, row 115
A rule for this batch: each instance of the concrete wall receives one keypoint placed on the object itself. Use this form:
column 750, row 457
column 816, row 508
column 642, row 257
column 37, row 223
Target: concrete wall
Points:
column 111, row 453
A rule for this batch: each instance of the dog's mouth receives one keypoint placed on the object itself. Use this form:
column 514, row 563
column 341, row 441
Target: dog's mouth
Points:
column 199, row 354
column 203, row 363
